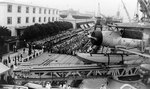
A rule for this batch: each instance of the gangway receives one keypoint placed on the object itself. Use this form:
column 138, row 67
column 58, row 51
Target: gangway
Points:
column 71, row 72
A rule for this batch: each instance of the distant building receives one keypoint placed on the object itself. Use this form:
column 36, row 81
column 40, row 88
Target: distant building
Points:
column 77, row 19
column 89, row 13
column 77, row 13
column 16, row 16
column 69, row 11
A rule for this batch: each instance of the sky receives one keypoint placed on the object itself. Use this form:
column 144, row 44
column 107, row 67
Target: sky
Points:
column 107, row 7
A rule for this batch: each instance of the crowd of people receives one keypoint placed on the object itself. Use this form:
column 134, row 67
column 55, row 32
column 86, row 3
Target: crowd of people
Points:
column 71, row 45
column 67, row 42
column 58, row 37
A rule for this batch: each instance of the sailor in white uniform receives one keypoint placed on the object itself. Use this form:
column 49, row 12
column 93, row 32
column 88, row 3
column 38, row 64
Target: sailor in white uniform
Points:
column 48, row 85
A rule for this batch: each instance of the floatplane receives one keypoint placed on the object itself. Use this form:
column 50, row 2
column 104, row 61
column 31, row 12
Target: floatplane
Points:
column 120, row 44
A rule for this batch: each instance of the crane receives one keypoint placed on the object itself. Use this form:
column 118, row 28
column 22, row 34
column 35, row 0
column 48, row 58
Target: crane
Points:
column 126, row 11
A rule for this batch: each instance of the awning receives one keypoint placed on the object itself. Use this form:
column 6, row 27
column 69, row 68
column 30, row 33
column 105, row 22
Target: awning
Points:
column 3, row 68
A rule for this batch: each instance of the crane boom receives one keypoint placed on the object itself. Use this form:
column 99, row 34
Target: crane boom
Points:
column 126, row 11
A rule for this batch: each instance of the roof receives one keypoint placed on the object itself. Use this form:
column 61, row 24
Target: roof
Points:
column 132, row 25
column 3, row 68
column 63, row 16
column 81, row 17
column 77, row 17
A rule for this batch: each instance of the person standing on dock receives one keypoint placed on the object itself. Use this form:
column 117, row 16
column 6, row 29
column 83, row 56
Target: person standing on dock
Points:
column 69, row 87
column 48, row 85
column 64, row 86
column 60, row 86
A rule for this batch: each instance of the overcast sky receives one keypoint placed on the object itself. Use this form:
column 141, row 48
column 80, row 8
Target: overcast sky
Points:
column 107, row 7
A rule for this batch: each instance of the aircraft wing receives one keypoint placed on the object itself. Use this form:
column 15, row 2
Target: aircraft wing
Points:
column 137, row 53
column 131, row 25
column 143, row 58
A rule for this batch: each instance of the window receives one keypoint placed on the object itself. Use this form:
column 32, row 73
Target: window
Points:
column 57, row 12
column 49, row 11
column 9, row 8
column 39, row 19
column 40, row 10
column 33, row 10
column 27, row 19
column 33, row 19
column 44, row 19
column 19, row 9
column 49, row 19
column 19, row 20
column 9, row 20
column 44, row 11
column 52, row 18
column 53, row 11
column 27, row 9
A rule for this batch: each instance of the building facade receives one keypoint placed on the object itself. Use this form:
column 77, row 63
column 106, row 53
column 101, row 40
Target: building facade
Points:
column 15, row 16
